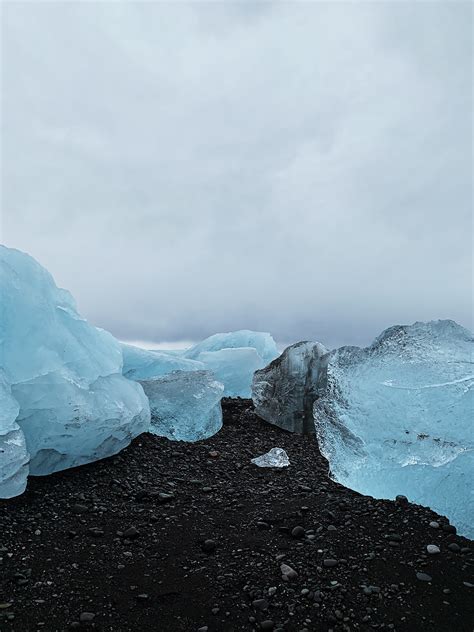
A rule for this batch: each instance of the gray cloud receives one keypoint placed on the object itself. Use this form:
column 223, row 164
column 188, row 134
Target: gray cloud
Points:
column 299, row 168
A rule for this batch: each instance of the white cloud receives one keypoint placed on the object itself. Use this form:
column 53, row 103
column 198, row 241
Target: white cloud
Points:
column 302, row 168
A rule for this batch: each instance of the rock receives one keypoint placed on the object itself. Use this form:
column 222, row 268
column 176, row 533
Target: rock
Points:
column 329, row 563
column 86, row 617
column 131, row 533
column 432, row 549
column 423, row 577
column 455, row 548
column 208, row 546
column 267, row 625
column 298, row 532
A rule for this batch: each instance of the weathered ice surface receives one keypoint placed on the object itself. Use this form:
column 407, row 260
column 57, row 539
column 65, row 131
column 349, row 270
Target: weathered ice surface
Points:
column 234, row 368
column 143, row 364
column 276, row 457
column 185, row 405
column 397, row 417
column 66, row 376
column 262, row 342
column 284, row 391
column 13, row 455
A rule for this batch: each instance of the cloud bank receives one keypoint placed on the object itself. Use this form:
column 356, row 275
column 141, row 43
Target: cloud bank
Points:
column 298, row 168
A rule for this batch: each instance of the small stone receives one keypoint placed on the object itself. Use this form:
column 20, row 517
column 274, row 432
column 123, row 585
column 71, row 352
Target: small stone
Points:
column 260, row 604
column 78, row 508
column 298, row 532
column 267, row 625
column 86, row 617
column 455, row 548
column 329, row 563
column 208, row 546
column 131, row 533
column 449, row 528
column 434, row 524
column 213, row 454
column 424, row 577
column 401, row 500
column 432, row 549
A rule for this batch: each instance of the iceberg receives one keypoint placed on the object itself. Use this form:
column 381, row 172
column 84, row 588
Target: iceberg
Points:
column 144, row 364
column 397, row 417
column 185, row 405
column 234, row 357
column 234, row 368
column 13, row 454
column 262, row 342
column 61, row 376
column 284, row 392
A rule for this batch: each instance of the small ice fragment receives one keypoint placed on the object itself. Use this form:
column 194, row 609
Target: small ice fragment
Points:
column 277, row 457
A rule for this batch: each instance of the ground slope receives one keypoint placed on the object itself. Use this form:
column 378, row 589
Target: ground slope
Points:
column 123, row 545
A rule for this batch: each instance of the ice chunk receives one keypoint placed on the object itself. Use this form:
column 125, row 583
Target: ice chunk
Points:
column 234, row 368
column 262, row 342
column 74, row 404
column 13, row 454
column 276, row 457
column 185, row 405
column 143, row 364
column 284, row 392
column 396, row 417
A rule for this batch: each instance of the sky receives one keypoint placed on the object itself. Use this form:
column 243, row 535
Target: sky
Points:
column 190, row 168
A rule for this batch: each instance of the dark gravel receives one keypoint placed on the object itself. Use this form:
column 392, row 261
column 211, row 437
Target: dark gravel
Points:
column 174, row 536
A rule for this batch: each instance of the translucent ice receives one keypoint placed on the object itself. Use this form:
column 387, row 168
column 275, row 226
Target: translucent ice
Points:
column 66, row 376
column 284, row 391
column 143, row 364
column 397, row 417
column 234, row 357
column 234, row 368
column 276, row 457
column 13, row 455
column 185, row 405
column 262, row 342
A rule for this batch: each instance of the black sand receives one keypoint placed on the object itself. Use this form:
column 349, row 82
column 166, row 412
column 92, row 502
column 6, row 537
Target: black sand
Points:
column 65, row 555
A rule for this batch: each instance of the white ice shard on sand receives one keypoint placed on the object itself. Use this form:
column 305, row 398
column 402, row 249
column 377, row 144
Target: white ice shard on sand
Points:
column 283, row 392
column 276, row 457
column 65, row 375
column 397, row 417
column 234, row 357
column 185, row 405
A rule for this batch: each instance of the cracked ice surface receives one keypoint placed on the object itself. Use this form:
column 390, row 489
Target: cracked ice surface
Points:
column 65, row 377
column 276, row 457
column 397, row 417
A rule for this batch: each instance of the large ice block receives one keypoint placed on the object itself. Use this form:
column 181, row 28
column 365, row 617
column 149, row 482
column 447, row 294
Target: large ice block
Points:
column 185, row 405
column 144, row 364
column 66, row 375
column 262, row 342
column 234, row 368
column 284, row 391
column 397, row 417
column 13, row 454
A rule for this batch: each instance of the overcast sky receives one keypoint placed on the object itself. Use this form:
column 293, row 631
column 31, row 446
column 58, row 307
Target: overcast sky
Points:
column 298, row 168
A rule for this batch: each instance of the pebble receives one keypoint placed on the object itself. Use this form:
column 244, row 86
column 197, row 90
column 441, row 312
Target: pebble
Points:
column 298, row 532
column 455, row 548
column 267, row 625
column 432, row 549
column 208, row 546
column 424, row 577
column 86, row 617
column 131, row 533
column 329, row 563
